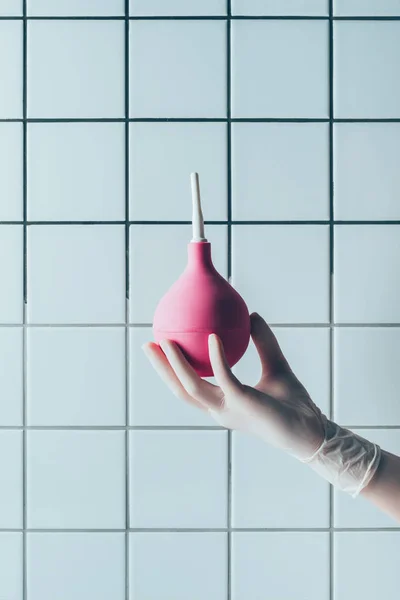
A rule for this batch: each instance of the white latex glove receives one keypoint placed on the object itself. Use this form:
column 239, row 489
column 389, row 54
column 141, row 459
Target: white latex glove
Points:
column 278, row 409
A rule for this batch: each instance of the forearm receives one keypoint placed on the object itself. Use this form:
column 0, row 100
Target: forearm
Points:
column 358, row 466
column 384, row 488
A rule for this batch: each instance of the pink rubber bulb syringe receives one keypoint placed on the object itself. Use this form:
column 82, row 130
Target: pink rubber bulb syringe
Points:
column 202, row 302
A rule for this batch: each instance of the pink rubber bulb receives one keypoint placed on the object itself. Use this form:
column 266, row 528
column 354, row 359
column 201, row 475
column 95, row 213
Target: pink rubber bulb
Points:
column 199, row 303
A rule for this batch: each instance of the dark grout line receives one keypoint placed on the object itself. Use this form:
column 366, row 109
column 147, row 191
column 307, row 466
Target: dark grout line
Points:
column 277, row 120
column 127, row 346
column 280, row 17
column 197, row 120
column 372, row 427
column 387, row 222
column 77, row 120
column 331, row 288
column 354, row 120
column 24, row 154
column 177, row 119
column 367, row 18
column 69, row 18
column 166, row 18
column 221, row 17
column 229, row 273
column 159, row 427
column 206, row 530
column 25, row 295
column 112, row 428
column 331, row 231
column 134, row 325
column 178, row 18
column 366, row 326
column 227, row 222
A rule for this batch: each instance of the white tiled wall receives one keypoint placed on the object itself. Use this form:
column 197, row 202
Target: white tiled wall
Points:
column 290, row 111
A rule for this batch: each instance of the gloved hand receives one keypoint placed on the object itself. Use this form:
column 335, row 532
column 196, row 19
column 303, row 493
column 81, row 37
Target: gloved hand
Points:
column 278, row 409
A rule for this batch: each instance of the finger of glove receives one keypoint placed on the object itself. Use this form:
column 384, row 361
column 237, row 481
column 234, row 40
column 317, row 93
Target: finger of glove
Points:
column 164, row 370
column 269, row 351
column 222, row 372
column 203, row 391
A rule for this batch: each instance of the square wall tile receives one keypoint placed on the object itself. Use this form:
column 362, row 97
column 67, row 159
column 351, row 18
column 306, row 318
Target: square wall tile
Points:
column 178, row 479
column 367, row 177
column 279, row 69
column 76, row 274
column 367, row 563
column 158, row 8
column 151, row 402
column 158, row 256
column 11, row 68
column 11, row 479
column 366, row 382
column 11, row 8
column 308, row 353
column 11, row 361
column 361, row 513
column 280, row 171
column 75, row 69
column 371, row 8
column 162, row 156
column 75, row 8
column 292, row 286
column 181, row 561
column 76, row 171
column 174, row 73
column 306, row 8
column 11, row 566
column 76, row 376
column 75, row 479
column 280, row 566
column 11, row 273
column 11, row 155
column 366, row 274
column 76, row 565
column 271, row 489
column 366, row 59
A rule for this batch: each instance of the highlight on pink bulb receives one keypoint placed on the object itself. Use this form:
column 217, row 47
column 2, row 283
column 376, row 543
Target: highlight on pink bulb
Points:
column 202, row 302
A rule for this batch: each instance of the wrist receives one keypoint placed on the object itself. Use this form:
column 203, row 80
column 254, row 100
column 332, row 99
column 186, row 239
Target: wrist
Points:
column 345, row 459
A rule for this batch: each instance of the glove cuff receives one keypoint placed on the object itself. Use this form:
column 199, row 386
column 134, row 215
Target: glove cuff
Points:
column 346, row 460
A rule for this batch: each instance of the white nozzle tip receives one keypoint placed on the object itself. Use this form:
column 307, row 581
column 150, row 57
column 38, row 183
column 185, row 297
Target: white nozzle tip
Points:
column 197, row 218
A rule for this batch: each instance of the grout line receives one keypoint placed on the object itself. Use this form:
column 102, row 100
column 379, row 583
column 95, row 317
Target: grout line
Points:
column 66, row 223
column 201, row 17
column 127, row 346
column 166, row 18
column 331, row 290
column 182, row 223
column 393, row 120
column 208, row 530
column 149, row 325
column 229, row 273
column 229, row 16
column 344, row 325
column 25, row 294
column 196, row 120
column 157, row 427
column 368, row 18
column 372, row 427
column 113, row 427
